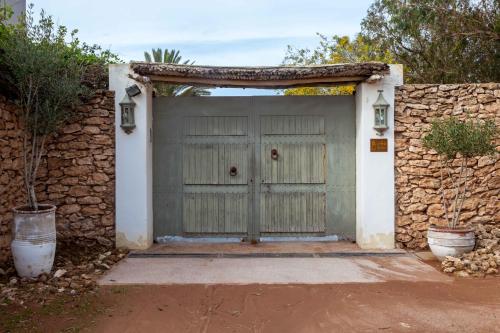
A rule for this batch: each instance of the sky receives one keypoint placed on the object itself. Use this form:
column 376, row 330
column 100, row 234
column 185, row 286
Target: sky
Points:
column 210, row 32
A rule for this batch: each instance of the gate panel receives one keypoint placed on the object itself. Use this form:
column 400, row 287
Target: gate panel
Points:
column 215, row 212
column 293, row 163
column 292, row 212
column 292, row 125
column 293, row 174
column 205, row 164
column 215, row 174
column 216, row 125
column 306, row 188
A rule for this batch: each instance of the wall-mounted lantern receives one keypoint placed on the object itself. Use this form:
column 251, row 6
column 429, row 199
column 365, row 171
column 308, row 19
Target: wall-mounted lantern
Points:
column 128, row 119
column 381, row 107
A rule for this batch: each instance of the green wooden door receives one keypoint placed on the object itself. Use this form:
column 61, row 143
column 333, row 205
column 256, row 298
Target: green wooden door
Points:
column 254, row 166
column 215, row 175
column 293, row 174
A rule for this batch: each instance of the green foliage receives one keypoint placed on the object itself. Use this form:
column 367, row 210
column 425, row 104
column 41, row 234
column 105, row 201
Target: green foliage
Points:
column 334, row 50
column 173, row 57
column 46, row 72
column 439, row 41
column 451, row 137
column 338, row 49
column 91, row 54
column 46, row 75
column 6, row 13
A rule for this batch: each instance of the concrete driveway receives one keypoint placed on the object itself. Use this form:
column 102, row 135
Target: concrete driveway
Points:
column 269, row 264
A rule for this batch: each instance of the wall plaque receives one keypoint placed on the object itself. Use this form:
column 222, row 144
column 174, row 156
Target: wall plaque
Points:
column 378, row 145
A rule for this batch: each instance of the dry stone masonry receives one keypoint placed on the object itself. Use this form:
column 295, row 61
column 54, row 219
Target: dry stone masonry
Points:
column 77, row 174
column 418, row 202
column 11, row 181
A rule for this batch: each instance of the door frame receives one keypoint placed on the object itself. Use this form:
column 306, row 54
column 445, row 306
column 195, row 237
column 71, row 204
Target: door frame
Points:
column 375, row 188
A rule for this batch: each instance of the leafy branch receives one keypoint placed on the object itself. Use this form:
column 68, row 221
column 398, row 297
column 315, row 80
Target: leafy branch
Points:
column 47, row 73
column 454, row 139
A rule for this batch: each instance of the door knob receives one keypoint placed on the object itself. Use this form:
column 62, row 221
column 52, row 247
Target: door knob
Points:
column 274, row 154
column 233, row 171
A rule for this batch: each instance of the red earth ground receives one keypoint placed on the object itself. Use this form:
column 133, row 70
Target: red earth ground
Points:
column 465, row 305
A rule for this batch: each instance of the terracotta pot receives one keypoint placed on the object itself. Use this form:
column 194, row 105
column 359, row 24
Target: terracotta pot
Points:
column 450, row 241
column 34, row 240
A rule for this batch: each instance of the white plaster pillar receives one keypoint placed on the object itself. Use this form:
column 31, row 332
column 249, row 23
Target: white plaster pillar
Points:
column 133, row 165
column 375, row 197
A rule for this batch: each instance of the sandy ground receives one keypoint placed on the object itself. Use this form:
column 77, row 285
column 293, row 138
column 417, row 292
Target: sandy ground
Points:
column 393, row 306
column 438, row 305
column 461, row 306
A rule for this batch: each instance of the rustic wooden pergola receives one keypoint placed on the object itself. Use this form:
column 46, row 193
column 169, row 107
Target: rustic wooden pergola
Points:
column 276, row 77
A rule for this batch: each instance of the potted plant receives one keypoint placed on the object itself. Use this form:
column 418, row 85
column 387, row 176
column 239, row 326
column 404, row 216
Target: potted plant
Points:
column 456, row 141
column 45, row 72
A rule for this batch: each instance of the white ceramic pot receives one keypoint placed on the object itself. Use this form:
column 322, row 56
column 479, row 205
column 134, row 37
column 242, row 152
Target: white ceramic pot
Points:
column 450, row 242
column 34, row 240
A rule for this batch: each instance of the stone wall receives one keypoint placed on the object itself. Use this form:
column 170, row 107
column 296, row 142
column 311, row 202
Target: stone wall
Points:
column 11, row 181
column 77, row 174
column 418, row 202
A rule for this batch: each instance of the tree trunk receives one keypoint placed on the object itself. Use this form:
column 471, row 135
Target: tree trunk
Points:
column 32, row 197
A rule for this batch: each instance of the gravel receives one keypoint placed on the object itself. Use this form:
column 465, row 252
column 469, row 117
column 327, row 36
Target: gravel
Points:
column 75, row 272
column 484, row 260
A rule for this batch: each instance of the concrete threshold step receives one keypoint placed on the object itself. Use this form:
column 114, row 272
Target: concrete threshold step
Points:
column 269, row 255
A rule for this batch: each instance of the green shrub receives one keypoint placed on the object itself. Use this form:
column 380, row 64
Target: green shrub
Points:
column 455, row 139
column 46, row 73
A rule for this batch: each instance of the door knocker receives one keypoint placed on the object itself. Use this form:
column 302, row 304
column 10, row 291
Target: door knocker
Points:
column 274, row 154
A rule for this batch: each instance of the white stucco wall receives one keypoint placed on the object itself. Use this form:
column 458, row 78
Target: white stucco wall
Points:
column 375, row 198
column 134, row 194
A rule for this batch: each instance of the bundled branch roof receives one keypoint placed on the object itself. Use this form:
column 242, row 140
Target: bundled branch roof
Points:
column 261, row 77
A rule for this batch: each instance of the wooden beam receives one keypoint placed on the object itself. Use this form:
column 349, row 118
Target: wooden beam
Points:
column 261, row 77
column 275, row 84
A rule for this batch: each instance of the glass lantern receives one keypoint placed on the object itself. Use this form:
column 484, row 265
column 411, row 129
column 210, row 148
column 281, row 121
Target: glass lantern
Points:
column 127, row 111
column 381, row 107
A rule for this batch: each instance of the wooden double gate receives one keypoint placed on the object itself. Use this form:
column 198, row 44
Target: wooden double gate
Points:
column 254, row 166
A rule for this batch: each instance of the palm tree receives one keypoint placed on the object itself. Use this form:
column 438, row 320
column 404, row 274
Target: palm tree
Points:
column 173, row 57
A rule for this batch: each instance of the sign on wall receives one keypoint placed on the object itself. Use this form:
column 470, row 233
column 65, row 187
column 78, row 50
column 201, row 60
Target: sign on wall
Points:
column 378, row 145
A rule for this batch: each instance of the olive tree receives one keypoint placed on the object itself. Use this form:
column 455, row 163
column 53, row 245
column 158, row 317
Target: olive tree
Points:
column 46, row 72
column 438, row 41
column 454, row 139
